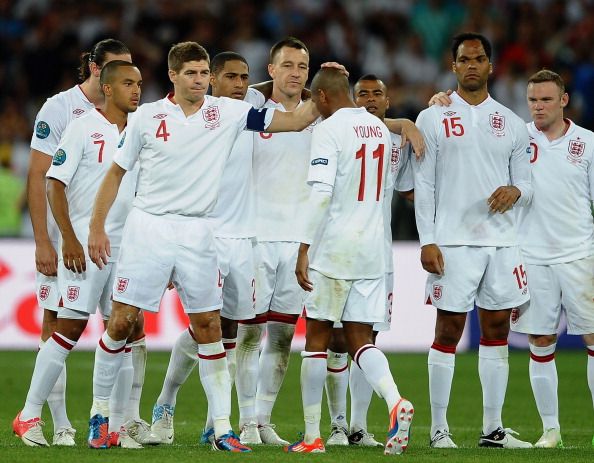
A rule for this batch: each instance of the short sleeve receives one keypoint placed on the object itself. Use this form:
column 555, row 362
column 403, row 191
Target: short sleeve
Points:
column 323, row 156
column 50, row 123
column 130, row 144
column 68, row 154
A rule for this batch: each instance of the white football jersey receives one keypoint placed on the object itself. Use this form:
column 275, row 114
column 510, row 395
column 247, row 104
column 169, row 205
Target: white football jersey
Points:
column 83, row 157
column 470, row 151
column 50, row 123
column 558, row 226
column 351, row 151
column 280, row 181
column 400, row 178
column 182, row 158
column 233, row 214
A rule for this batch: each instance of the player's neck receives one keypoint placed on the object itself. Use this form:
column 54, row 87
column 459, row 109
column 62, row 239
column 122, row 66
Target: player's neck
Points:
column 473, row 97
column 187, row 106
column 288, row 102
column 115, row 115
column 556, row 130
column 93, row 93
column 342, row 103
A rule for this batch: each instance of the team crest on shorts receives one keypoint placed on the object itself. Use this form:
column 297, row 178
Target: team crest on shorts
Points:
column 515, row 315
column 72, row 293
column 497, row 123
column 122, row 285
column 437, row 291
column 211, row 116
column 44, row 292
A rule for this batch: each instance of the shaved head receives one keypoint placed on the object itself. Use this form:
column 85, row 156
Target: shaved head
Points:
column 331, row 81
column 110, row 70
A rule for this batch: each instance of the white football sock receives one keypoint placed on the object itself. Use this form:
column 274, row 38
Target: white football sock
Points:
column 108, row 360
column 49, row 364
column 440, row 362
column 249, row 337
column 230, row 350
column 120, row 393
column 274, row 362
column 216, row 382
column 313, row 375
column 56, row 400
column 543, row 379
column 361, row 393
column 183, row 359
column 139, row 363
column 493, row 372
column 590, row 371
column 375, row 366
column 337, row 383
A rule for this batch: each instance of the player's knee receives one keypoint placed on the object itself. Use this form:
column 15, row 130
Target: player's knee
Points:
column 542, row 340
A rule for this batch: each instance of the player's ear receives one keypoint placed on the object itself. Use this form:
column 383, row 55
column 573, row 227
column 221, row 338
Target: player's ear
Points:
column 490, row 68
column 564, row 100
column 387, row 102
column 172, row 75
column 271, row 70
column 453, row 66
column 106, row 89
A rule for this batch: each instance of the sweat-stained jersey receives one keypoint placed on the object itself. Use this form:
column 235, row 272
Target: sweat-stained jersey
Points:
column 82, row 159
column 182, row 158
column 471, row 150
column 351, row 151
column 558, row 226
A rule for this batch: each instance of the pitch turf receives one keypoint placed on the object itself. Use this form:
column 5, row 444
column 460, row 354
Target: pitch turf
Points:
column 410, row 371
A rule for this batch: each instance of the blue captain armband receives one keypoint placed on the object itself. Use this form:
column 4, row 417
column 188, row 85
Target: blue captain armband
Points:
column 257, row 119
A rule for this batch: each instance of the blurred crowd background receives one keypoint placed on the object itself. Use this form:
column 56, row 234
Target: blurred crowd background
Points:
column 405, row 42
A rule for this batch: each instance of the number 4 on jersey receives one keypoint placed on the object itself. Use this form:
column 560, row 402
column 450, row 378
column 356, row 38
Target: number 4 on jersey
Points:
column 162, row 131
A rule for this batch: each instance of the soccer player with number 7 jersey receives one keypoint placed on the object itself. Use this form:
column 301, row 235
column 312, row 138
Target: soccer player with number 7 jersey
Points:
column 468, row 188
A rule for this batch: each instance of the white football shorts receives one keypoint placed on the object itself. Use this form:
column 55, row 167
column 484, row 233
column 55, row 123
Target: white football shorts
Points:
column 48, row 292
column 493, row 277
column 568, row 286
column 87, row 291
column 388, row 300
column 158, row 249
column 236, row 263
column 345, row 300
column 276, row 284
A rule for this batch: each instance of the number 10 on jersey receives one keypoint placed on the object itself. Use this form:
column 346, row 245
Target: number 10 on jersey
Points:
column 378, row 154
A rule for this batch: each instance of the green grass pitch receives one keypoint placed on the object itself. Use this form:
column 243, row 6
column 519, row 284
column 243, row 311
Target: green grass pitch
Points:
column 410, row 371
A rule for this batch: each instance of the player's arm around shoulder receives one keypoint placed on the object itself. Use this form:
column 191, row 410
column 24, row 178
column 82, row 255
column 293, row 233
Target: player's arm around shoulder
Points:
column 294, row 121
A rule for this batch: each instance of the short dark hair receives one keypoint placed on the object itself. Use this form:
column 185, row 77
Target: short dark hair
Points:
column 183, row 52
column 330, row 80
column 546, row 75
column 97, row 55
column 218, row 62
column 110, row 69
column 290, row 42
column 367, row 77
column 460, row 38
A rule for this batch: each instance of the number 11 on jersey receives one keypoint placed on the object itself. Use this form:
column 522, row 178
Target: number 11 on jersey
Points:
column 378, row 154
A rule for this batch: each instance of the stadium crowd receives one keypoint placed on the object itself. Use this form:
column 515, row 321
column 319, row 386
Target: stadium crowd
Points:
column 404, row 42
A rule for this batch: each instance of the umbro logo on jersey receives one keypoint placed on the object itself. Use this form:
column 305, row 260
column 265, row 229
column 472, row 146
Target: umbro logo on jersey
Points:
column 317, row 161
column 449, row 113
column 159, row 116
column 77, row 112
column 96, row 135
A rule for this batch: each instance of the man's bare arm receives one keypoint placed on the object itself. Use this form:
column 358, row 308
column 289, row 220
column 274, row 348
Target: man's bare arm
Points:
column 46, row 258
column 99, row 246
column 409, row 133
column 73, row 253
column 294, row 121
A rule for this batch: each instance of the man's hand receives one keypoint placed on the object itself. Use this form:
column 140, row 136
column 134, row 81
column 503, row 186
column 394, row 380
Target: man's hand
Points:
column 432, row 259
column 99, row 247
column 46, row 259
column 335, row 65
column 441, row 99
column 74, row 255
column 503, row 198
column 301, row 268
column 410, row 133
